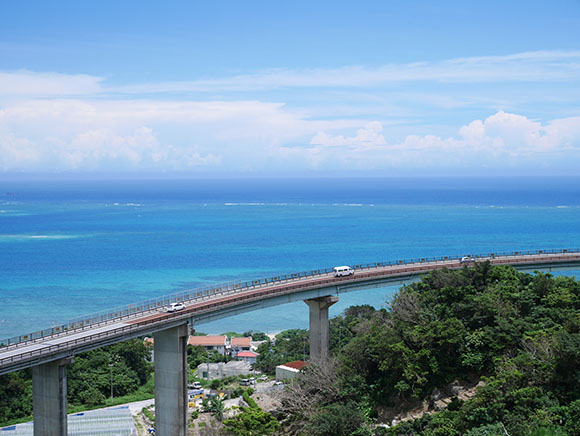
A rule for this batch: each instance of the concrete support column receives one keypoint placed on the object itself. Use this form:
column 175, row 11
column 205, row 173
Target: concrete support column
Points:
column 319, row 326
column 171, row 381
column 49, row 398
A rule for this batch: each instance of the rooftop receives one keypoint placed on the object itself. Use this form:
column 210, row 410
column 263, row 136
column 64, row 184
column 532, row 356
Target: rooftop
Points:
column 242, row 342
column 247, row 354
column 206, row 341
column 297, row 364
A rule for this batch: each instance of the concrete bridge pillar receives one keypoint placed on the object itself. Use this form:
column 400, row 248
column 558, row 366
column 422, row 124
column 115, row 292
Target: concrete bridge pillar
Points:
column 319, row 326
column 49, row 404
column 171, row 381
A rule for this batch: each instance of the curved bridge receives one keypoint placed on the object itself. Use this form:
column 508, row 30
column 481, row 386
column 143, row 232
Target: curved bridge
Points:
column 29, row 350
column 49, row 351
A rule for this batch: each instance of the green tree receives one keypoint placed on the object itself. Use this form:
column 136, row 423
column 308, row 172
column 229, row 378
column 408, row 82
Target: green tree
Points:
column 196, row 356
column 15, row 395
column 256, row 336
column 337, row 420
column 216, row 407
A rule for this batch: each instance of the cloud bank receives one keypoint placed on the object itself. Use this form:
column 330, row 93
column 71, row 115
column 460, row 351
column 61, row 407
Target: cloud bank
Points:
column 53, row 122
column 251, row 137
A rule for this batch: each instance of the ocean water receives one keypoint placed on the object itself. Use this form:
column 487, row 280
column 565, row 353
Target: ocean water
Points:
column 69, row 248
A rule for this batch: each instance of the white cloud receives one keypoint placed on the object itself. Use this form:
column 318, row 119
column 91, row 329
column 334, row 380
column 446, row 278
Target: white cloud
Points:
column 517, row 133
column 97, row 147
column 17, row 152
column 539, row 66
column 563, row 133
column 501, row 140
column 368, row 136
column 28, row 83
column 105, row 136
column 254, row 136
column 149, row 135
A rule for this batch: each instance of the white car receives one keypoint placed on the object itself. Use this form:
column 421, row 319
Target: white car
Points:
column 174, row 307
column 340, row 271
column 466, row 259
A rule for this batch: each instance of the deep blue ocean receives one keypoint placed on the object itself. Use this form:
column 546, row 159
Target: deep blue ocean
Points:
column 69, row 248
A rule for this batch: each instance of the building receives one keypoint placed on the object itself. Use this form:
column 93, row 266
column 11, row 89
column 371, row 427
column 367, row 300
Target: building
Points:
column 247, row 356
column 218, row 343
column 210, row 371
column 290, row 370
column 240, row 344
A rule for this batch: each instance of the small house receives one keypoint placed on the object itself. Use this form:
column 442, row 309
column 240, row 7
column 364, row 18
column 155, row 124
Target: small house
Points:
column 240, row 344
column 218, row 343
column 247, row 356
column 290, row 370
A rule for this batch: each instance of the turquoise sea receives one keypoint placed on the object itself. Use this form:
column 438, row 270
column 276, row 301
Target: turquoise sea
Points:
column 69, row 248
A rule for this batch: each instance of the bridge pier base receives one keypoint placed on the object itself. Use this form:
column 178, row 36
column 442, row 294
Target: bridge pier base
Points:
column 171, row 381
column 49, row 404
column 319, row 336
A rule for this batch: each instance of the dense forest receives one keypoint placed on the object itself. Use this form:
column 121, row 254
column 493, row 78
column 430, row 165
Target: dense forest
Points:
column 512, row 340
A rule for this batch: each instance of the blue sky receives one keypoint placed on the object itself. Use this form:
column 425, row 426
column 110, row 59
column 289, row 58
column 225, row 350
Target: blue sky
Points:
column 297, row 89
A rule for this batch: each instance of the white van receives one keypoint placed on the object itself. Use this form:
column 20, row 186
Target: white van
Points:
column 340, row 271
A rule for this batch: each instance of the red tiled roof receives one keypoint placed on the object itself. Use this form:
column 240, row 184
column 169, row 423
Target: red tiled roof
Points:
column 297, row 364
column 247, row 354
column 241, row 342
column 207, row 341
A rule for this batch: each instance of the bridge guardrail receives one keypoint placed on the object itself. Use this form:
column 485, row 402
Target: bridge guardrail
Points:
column 167, row 316
column 197, row 294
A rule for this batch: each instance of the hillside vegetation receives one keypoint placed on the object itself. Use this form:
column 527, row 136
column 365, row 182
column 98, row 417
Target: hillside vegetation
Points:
column 518, row 334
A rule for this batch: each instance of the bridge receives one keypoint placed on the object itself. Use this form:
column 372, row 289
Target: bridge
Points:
column 49, row 351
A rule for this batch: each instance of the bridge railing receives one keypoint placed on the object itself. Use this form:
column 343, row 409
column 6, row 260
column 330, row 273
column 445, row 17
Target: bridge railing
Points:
column 201, row 293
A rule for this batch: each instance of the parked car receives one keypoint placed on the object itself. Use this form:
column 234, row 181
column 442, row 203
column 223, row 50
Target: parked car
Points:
column 174, row 307
column 466, row 259
column 245, row 382
column 263, row 378
column 196, row 385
